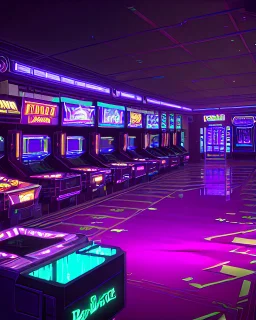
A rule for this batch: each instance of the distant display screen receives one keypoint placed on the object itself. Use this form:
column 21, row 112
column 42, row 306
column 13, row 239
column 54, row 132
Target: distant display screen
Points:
column 78, row 115
column 163, row 121
column 134, row 119
column 178, row 122
column 154, row 140
column 39, row 113
column 75, row 146
column 243, row 121
column 171, row 121
column 111, row 115
column 131, row 143
column 107, row 144
column 35, row 147
column 152, row 121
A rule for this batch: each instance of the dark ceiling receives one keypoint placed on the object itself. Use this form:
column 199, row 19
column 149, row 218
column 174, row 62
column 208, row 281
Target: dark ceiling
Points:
column 200, row 53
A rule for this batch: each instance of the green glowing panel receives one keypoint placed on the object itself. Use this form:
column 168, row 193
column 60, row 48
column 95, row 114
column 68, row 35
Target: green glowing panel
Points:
column 68, row 268
column 95, row 304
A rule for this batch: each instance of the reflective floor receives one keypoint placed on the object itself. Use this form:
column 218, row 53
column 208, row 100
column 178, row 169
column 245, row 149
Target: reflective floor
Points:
column 190, row 239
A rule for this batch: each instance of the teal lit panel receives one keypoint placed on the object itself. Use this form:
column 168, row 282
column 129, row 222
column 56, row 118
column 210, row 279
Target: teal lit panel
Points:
column 103, row 251
column 68, row 268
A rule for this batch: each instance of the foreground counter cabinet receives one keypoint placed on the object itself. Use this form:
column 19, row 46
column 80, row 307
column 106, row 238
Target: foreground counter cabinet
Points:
column 50, row 275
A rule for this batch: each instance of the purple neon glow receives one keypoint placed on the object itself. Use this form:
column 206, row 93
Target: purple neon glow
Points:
column 166, row 104
column 34, row 72
column 153, row 101
column 67, row 195
column 130, row 96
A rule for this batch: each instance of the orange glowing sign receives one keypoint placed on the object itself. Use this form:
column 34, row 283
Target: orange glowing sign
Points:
column 4, row 186
column 38, row 113
column 10, row 107
column 27, row 196
column 98, row 179
column 135, row 120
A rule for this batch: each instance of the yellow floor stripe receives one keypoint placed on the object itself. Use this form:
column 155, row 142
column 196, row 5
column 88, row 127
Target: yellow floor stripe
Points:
column 245, row 288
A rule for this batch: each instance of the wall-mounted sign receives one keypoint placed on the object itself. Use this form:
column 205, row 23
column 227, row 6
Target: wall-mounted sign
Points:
column 39, row 113
column 243, row 121
column 9, row 109
column 214, row 118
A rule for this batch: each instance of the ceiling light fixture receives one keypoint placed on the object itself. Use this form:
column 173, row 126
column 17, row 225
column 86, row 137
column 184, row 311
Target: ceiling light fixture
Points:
column 52, row 77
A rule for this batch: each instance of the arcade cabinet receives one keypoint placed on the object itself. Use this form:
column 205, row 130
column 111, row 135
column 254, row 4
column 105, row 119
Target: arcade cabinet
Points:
column 213, row 137
column 30, row 154
column 54, row 275
column 18, row 199
column 130, row 150
column 106, row 151
column 71, row 152
column 150, row 141
column 243, row 134
column 72, row 147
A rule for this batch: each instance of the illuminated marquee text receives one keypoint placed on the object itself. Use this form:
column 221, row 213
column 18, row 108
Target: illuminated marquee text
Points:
column 40, row 112
column 95, row 304
column 214, row 117
column 8, row 107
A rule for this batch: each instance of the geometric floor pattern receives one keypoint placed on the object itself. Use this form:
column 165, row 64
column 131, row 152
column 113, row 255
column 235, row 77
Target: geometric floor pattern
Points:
column 190, row 239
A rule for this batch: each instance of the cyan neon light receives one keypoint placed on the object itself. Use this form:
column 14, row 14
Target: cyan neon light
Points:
column 110, row 106
column 95, row 305
column 73, row 101
column 51, row 77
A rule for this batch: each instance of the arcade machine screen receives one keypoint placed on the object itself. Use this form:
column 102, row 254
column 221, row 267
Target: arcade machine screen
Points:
column 152, row 121
column 131, row 143
column 154, row 141
column 75, row 146
column 79, row 115
column 134, row 119
column 163, row 121
column 178, row 122
column 111, row 115
column 171, row 121
column 107, row 145
column 35, row 147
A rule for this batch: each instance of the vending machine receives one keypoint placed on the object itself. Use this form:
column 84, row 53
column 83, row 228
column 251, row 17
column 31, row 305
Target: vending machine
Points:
column 215, row 137
column 243, row 133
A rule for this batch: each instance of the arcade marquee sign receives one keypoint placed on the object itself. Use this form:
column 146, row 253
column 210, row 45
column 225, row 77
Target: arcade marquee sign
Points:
column 9, row 110
column 214, row 118
column 39, row 113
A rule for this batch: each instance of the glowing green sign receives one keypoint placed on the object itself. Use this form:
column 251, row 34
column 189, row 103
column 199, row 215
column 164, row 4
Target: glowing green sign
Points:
column 95, row 305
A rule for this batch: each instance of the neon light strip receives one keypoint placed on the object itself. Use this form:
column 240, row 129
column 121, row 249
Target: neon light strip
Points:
column 162, row 103
column 48, row 76
column 130, row 96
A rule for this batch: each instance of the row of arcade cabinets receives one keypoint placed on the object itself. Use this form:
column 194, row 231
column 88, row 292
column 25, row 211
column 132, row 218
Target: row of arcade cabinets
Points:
column 224, row 137
column 76, row 160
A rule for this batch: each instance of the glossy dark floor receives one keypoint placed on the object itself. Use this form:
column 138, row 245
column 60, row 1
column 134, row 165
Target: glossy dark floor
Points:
column 190, row 239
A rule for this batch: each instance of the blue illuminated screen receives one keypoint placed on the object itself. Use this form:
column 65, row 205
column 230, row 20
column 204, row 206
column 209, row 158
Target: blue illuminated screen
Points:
column 152, row 121
column 111, row 115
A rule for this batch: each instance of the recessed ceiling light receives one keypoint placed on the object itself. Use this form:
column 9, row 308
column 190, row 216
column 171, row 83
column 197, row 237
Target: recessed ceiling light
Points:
column 232, row 40
column 234, row 80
